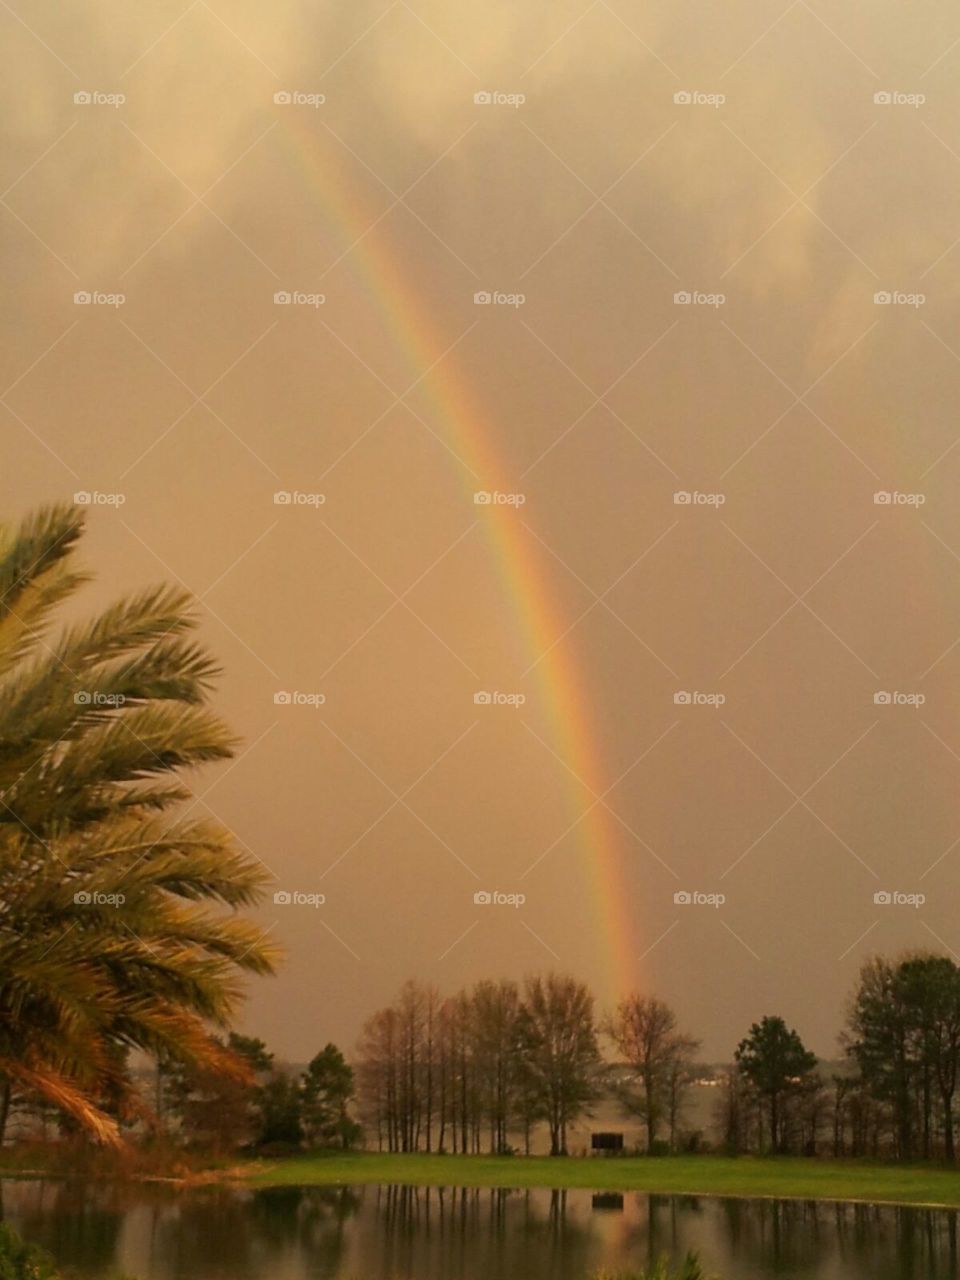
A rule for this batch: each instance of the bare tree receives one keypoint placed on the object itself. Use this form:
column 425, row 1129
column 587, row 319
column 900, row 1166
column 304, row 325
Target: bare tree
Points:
column 495, row 1010
column 377, row 1078
column 644, row 1031
column 558, row 1040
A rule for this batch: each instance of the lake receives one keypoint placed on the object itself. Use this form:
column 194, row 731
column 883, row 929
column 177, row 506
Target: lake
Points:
column 406, row 1233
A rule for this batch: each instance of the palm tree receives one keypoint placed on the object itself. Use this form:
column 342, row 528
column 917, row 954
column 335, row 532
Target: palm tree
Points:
column 110, row 936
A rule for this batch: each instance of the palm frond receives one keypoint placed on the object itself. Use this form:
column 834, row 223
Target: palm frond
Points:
column 118, row 924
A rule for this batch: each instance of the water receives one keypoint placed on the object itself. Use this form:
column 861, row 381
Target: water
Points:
column 406, row 1233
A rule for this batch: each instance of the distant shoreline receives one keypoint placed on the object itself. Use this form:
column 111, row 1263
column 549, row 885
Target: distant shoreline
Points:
column 754, row 1177
column 864, row 1182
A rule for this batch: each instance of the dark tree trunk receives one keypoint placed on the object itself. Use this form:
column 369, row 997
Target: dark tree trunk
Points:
column 949, row 1150
column 4, row 1109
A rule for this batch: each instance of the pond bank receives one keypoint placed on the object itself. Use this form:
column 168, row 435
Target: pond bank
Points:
column 753, row 1176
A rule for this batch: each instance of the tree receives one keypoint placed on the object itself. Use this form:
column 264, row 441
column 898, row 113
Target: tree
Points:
column 278, row 1103
column 880, row 1043
column 904, row 1035
column 680, row 1076
column 644, row 1031
column 413, row 1074
column 731, row 1111
column 559, row 1053
column 931, row 991
column 773, row 1058
column 495, row 1013
column 106, row 935
column 326, row 1088
column 218, row 1111
column 377, row 1072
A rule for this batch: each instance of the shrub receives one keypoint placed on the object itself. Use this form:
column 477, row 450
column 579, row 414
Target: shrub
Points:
column 22, row 1261
column 690, row 1269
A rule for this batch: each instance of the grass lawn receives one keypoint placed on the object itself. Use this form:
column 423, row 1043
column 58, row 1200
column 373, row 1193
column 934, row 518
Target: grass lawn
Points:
column 686, row 1175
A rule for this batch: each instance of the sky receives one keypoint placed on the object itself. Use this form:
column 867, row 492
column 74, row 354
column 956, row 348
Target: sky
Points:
column 291, row 291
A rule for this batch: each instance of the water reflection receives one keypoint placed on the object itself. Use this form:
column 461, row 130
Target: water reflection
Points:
column 453, row 1233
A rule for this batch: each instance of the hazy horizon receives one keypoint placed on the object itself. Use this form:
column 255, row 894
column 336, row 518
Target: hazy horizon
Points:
column 782, row 386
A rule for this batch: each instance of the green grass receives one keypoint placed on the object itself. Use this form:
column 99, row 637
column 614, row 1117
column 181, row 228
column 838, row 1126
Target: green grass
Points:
column 784, row 1177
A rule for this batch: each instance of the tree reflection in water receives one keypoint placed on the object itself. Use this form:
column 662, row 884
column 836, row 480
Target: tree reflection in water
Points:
column 159, row 1232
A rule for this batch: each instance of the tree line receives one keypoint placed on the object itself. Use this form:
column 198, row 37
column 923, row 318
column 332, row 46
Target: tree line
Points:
column 893, row 1095
column 274, row 1107
column 467, row 1072
column 483, row 1069
column 503, row 1066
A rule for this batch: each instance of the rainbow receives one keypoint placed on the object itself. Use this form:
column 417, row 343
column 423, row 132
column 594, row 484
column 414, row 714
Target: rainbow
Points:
column 562, row 691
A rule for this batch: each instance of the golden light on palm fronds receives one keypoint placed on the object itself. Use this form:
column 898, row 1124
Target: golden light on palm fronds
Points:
column 118, row 924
